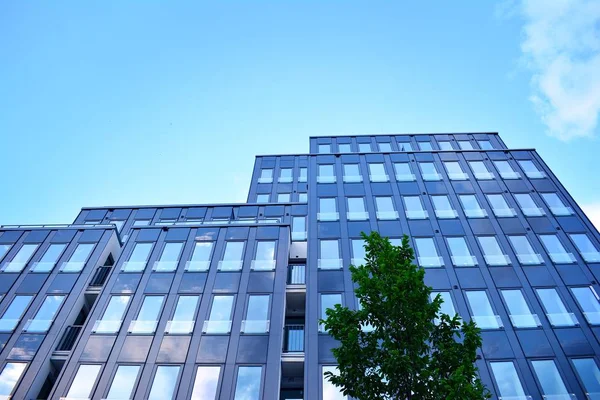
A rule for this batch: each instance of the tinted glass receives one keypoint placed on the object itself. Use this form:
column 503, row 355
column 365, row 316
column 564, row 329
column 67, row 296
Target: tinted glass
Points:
column 124, row 382
column 206, row 383
column 165, row 380
column 84, row 381
column 248, row 383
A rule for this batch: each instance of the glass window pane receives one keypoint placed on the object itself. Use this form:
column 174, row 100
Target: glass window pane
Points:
column 485, row 145
column 425, row 146
column 441, row 203
column 507, row 380
column 202, row 251
column 445, row 145
column 531, row 170
column 329, row 301
column 21, row 258
column 552, row 244
column 585, row 246
column 327, row 205
column 221, row 308
column 324, row 148
column 171, row 251
column 265, row 251
column 497, row 201
column 413, row 203
column 303, row 173
column 248, row 383
column 233, row 251
column 45, row 315
column 165, row 380
column 262, row 198
column 258, row 308
column 588, row 372
column 403, row 172
column 358, row 252
column 266, row 173
column 525, row 252
column 298, row 224
column 53, row 253
column 302, row 197
column 116, row 308
column 356, row 204
column 376, row 169
column 206, row 383
column 330, row 391
column 588, row 302
column 429, row 171
column 465, row 145
column 549, row 378
column 4, row 249
column 141, row 252
column 325, row 170
column 151, row 308
column 384, row 147
column 455, row 171
column 124, row 382
column 84, row 381
column 344, row 148
column 447, row 306
column 426, row 247
column 479, row 303
column 186, row 308
column 404, row 146
column 506, row 170
column 351, row 170
column 12, row 315
column 82, row 252
column 10, row 375
column 329, row 249
column 490, row 245
column 364, row 147
column 555, row 309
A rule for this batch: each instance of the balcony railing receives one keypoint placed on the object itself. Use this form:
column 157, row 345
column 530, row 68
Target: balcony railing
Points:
column 293, row 339
column 100, row 276
column 69, row 337
column 296, row 275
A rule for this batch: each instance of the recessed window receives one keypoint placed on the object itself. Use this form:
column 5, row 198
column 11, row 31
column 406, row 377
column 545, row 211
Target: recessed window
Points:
column 377, row 173
column 206, row 383
column 328, row 209
column 518, row 309
column 201, row 255
column 169, row 258
column 20, row 259
column 49, row 259
column 285, row 175
column 183, row 318
column 460, row 253
column 492, row 252
column 531, row 170
column 324, row 148
column 330, row 391
column 524, row 251
column 447, row 306
column 283, row 197
column 429, row 171
column 326, row 174
column 405, row 146
column 557, row 313
column 358, row 252
column 219, row 320
column 85, row 379
column 352, row 173
column 385, row 147
column 425, row 146
column 404, row 173
column 455, row 171
column 588, row 302
column 364, row 147
column 465, row 145
column 556, row 205
column 506, row 170
column 303, row 174
column 303, row 197
column 44, row 317
column 138, row 258
column 499, row 206
column 471, row 206
column 148, row 315
column 123, row 384
column 329, row 255
column 248, row 383
column 480, row 170
column 444, row 145
column 233, row 256
column 164, row 383
column 586, row 248
column 266, row 175
column 443, row 208
column 485, row 145
column 10, row 375
column 13, row 314
column 414, row 207
column 298, row 228
column 113, row 315
column 385, row 208
column 588, row 372
column 550, row 380
column 257, row 314
column 328, row 300
column 344, row 148
column 507, row 380
column 556, row 250
column 482, row 312
column 528, row 206
column 264, row 258
column 427, row 254
column 356, row 209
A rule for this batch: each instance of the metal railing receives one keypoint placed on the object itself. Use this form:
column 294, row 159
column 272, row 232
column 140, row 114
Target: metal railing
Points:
column 293, row 339
column 296, row 274
column 69, row 337
column 100, row 276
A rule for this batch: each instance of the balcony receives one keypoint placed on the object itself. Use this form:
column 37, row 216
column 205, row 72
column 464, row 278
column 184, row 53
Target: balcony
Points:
column 325, row 179
column 379, row 178
column 464, row 261
column 458, row 176
column 357, row 215
column 387, row 215
column 446, row 214
column 428, row 262
column 107, row 326
column 69, row 337
column 37, row 325
column 133, row 266
column 434, row 176
column 216, row 327
column 72, row 266
column 330, row 263
column 533, row 212
column 561, row 211
column 42, row 266
column 476, row 213
column 328, row 216
column 562, row 319
column 593, row 318
column 142, row 326
column 14, row 266
column 352, row 178
column 255, row 326
column 562, row 258
column 591, row 256
column 417, row 214
column 8, row 325
column 525, row 321
column 530, row 259
column 179, row 327
column 535, row 174
column 488, row 321
column 510, row 175
column 483, row 176
column 265, row 180
column 293, row 339
column 100, row 276
column 496, row 259
column 197, row 266
column 262, row 265
column 165, row 266
column 504, row 212
column 406, row 177
column 296, row 274
column 230, row 265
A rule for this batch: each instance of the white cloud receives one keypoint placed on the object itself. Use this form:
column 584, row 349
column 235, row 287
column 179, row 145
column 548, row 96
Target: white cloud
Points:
column 561, row 46
column 592, row 210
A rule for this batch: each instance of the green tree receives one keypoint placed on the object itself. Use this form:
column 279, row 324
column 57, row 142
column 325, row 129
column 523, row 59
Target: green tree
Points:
column 398, row 345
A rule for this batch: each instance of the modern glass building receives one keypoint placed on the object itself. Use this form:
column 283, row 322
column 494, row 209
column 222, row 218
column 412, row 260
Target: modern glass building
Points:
column 222, row 301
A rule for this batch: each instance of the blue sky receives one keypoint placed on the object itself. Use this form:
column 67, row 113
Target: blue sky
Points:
column 152, row 102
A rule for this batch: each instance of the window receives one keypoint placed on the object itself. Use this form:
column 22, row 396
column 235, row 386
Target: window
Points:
column 166, row 221
column 326, row 174
column 447, row 306
column 327, row 209
column 556, row 205
column 283, row 197
column 164, row 383
column 377, row 173
column 85, row 379
column 427, row 253
column 324, row 148
column 585, row 246
column 248, row 383
column 588, row 302
column 425, row 146
column 219, row 320
column 524, row 251
column 45, row 316
column 113, row 315
column 11, row 317
column 299, row 228
column 123, row 383
column 257, row 314
column 555, row 309
column 352, row 173
column 507, row 380
column 556, row 250
column 169, row 258
column 550, row 380
column 465, row 145
column 445, row 145
column 500, row 206
column 519, row 312
column 385, row 147
column 480, row 170
column 262, row 198
column 358, row 252
column 460, row 253
column 455, row 172
column 264, row 259
column 141, row 222
column 385, row 208
column 344, row 148
column 10, row 375
column 232, row 258
column 482, row 312
column 531, row 170
column 118, row 224
column 506, row 171
column 485, row 145
column 403, row 172
column 330, row 391
column 414, row 207
column 588, row 372
column 429, row 172
column 184, row 316
column 356, row 209
column 285, row 175
column 329, row 257
column 364, row 147
column 49, row 259
column 528, row 206
column 4, row 249
column 303, row 197
column 492, row 252
column 148, row 315
column 443, row 208
column 200, row 257
column 138, row 258
column 78, row 258
column 20, row 259
column 303, row 176
column 471, row 206
column 406, row 146
column 206, row 383
column 328, row 301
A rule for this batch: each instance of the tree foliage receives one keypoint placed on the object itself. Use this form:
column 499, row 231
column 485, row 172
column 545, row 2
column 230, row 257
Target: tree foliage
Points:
column 397, row 345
